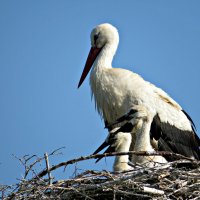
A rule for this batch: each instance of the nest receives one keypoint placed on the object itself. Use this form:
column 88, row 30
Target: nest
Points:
column 175, row 180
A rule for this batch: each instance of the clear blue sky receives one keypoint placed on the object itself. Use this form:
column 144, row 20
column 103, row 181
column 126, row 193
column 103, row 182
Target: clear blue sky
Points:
column 43, row 48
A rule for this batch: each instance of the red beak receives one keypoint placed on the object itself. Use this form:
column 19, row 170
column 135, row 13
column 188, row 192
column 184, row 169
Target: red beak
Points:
column 88, row 65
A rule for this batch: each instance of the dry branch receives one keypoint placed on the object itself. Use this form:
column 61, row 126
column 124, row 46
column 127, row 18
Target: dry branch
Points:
column 47, row 165
column 141, row 153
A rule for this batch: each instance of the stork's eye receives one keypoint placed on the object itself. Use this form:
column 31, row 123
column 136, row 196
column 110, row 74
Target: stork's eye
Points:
column 96, row 37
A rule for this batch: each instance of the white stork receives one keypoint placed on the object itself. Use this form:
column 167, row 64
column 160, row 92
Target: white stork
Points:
column 118, row 141
column 116, row 90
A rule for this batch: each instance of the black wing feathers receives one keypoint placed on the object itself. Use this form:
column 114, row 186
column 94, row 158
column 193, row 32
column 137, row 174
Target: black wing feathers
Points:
column 126, row 128
column 193, row 127
column 108, row 150
column 172, row 139
column 190, row 119
column 156, row 128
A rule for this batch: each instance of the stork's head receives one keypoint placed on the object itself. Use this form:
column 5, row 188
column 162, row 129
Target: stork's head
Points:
column 102, row 36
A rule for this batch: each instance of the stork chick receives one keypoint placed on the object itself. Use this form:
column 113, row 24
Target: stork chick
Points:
column 118, row 142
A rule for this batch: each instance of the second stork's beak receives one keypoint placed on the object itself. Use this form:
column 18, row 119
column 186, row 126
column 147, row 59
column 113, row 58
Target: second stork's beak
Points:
column 88, row 65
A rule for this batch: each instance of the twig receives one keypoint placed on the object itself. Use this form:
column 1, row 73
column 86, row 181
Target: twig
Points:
column 29, row 167
column 47, row 165
column 152, row 191
column 55, row 151
column 141, row 196
column 82, row 194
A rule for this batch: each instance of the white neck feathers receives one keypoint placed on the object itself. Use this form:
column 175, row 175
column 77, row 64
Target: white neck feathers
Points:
column 105, row 57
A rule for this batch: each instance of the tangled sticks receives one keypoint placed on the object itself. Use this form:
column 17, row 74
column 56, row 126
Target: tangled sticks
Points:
column 178, row 179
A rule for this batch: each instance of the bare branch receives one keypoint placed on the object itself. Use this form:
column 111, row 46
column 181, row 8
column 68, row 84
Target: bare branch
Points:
column 141, row 153
column 47, row 165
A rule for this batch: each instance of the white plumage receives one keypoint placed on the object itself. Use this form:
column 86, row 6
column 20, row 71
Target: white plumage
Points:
column 138, row 122
column 116, row 90
column 122, row 144
column 117, row 142
column 141, row 119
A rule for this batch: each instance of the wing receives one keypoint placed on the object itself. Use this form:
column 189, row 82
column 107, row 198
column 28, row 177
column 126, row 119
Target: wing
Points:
column 108, row 150
column 172, row 139
column 160, row 102
column 110, row 141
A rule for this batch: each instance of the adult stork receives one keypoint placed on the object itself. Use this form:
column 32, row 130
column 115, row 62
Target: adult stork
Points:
column 116, row 90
